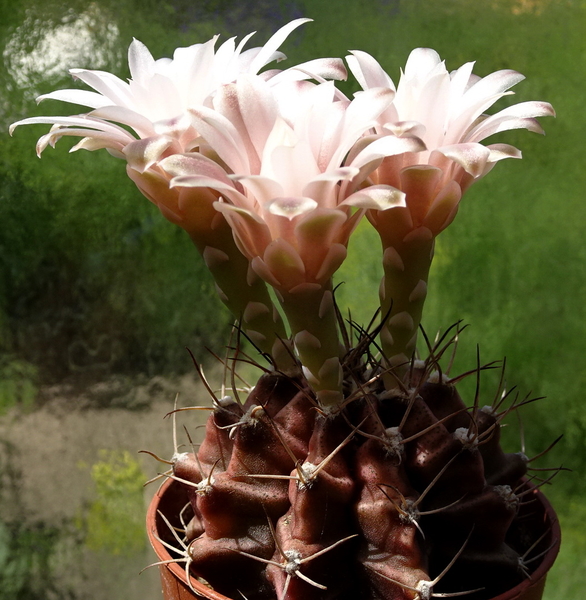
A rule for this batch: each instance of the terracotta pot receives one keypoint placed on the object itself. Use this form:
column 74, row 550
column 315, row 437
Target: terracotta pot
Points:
column 171, row 498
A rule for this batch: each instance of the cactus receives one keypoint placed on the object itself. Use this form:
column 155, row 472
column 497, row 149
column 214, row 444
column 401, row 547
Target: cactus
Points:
column 374, row 501
column 352, row 469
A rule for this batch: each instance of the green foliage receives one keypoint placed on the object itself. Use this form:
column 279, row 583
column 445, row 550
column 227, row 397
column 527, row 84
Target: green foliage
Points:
column 566, row 579
column 25, row 561
column 360, row 275
column 17, row 383
column 114, row 522
column 99, row 282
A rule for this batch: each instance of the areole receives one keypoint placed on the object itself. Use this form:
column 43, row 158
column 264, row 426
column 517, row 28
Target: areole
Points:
column 170, row 499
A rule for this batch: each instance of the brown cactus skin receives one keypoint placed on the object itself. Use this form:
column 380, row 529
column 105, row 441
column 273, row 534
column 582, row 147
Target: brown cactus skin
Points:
column 444, row 400
column 391, row 547
column 500, row 468
column 186, row 467
column 319, row 516
column 273, row 391
column 404, row 481
column 216, row 448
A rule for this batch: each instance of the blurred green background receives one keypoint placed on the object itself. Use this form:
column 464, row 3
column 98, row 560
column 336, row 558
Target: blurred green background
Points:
column 95, row 284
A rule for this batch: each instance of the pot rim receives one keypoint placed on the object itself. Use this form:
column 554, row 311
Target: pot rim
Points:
column 163, row 553
column 537, row 576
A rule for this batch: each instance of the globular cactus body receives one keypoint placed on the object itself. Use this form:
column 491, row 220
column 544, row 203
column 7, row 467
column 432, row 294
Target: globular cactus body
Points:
column 372, row 501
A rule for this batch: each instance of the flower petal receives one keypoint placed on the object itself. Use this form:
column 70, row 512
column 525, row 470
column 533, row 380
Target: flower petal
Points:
column 502, row 151
column 140, row 62
column 376, row 197
column 319, row 69
column 142, row 154
column 223, row 137
column 332, row 262
column 360, row 116
column 323, row 187
column 262, row 270
column 293, row 167
column 109, row 85
column 290, row 207
column 421, row 62
column 492, row 85
column 237, row 198
column 156, row 188
column 443, row 209
column 518, row 116
column 368, row 71
column 480, row 96
column 388, row 145
column 316, row 233
column 263, row 189
column 120, row 114
column 470, row 156
column 460, row 80
column 284, row 263
column 420, row 183
column 405, row 129
column 251, row 108
column 195, row 164
column 81, row 97
column 268, row 51
column 79, row 120
column 250, row 232
column 97, row 142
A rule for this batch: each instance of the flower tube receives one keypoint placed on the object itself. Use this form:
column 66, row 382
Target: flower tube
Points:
column 446, row 111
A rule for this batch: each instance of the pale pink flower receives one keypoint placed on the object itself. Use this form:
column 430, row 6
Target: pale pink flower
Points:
column 287, row 162
column 154, row 103
column 147, row 118
column 446, row 110
column 154, row 106
column 287, row 189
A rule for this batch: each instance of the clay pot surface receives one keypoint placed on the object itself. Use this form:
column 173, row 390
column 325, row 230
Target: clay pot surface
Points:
column 171, row 498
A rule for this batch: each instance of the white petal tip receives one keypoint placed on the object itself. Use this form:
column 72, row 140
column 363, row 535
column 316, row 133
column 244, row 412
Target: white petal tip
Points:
column 291, row 207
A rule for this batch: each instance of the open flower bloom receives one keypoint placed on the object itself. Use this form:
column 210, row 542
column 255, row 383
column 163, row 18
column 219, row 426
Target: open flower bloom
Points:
column 288, row 194
column 156, row 99
column 286, row 188
column 446, row 111
column 147, row 119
